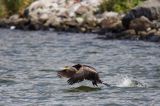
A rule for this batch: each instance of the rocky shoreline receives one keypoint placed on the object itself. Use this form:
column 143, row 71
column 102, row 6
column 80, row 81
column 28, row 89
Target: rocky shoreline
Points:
column 140, row 23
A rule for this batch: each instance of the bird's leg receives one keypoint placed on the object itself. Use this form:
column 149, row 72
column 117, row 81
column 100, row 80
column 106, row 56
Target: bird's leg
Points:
column 94, row 83
column 106, row 84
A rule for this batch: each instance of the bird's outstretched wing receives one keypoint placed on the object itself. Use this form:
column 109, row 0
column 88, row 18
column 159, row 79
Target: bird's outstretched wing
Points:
column 83, row 73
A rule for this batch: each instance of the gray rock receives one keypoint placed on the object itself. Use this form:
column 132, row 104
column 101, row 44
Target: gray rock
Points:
column 149, row 9
column 153, row 31
column 53, row 21
column 129, row 32
column 14, row 17
column 111, row 23
column 44, row 17
column 157, row 33
column 62, row 13
column 140, row 24
column 82, row 10
column 70, row 22
column 80, row 20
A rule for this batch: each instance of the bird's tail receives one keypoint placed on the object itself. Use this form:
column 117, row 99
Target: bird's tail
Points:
column 106, row 84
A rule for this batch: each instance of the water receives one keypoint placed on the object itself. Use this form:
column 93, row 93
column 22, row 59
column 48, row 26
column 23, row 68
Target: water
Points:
column 29, row 61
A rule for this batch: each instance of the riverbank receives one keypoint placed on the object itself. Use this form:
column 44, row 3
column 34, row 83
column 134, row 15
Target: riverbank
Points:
column 140, row 23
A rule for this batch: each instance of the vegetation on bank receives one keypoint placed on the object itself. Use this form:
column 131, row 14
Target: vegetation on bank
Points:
column 119, row 6
column 9, row 7
column 2, row 9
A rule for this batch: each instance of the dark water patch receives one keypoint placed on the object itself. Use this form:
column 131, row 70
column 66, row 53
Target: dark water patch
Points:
column 83, row 89
column 92, row 52
column 48, row 70
column 5, row 81
column 112, row 104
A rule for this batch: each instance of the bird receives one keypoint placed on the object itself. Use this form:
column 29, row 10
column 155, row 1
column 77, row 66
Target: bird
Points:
column 77, row 73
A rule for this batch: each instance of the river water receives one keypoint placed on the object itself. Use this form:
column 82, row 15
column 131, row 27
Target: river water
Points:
column 29, row 61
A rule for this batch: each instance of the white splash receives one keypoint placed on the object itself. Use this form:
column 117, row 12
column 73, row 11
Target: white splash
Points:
column 127, row 82
column 12, row 27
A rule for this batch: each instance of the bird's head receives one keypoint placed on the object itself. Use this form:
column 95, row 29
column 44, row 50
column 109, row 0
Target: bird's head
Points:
column 67, row 71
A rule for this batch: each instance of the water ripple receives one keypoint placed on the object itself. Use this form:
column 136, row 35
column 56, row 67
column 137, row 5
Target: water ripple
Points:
column 29, row 61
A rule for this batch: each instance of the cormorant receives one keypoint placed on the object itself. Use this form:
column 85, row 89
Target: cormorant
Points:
column 79, row 72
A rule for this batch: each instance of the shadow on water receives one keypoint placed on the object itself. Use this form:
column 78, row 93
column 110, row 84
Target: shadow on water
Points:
column 6, row 82
column 82, row 89
column 48, row 70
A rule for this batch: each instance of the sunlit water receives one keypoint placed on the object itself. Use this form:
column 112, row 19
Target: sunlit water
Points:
column 29, row 61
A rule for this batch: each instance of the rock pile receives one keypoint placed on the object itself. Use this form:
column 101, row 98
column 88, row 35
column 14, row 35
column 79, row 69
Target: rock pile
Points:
column 65, row 15
column 142, row 22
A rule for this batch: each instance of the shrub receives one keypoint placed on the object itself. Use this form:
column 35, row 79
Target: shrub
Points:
column 15, row 6
column 118, row 5
column 2, row 10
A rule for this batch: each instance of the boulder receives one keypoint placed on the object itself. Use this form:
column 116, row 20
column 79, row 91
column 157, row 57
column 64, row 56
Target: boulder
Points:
column 53, row 21
column 72, row 9
column 141, row 24
column 17, row 22
column 110, row 14
column 4, row 23
column 90, row 22
column 79, row 20
column 43, row 17
column 82, row 10
column 129, row 32
column 70, row 22
column 111, row 21
column 150, row 9
column 14, row 17
column 157, row 33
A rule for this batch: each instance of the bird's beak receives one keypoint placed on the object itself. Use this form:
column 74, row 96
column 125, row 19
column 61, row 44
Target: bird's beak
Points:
column 66, row 68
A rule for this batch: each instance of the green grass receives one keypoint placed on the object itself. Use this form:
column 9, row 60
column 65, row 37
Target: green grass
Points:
column 10, row 7
column 2, row 10
column 118, row 5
